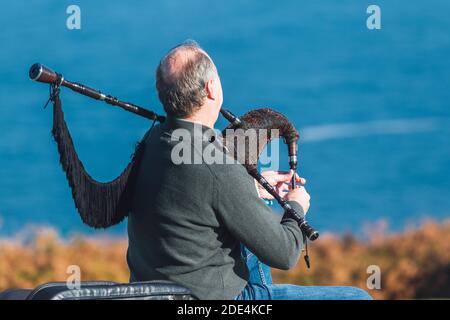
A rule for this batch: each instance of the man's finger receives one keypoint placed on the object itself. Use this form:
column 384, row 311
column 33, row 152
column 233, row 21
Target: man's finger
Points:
column 299, row 179
column 283, row 194
column 283, row 188
column 271, row 173
column 283, row 176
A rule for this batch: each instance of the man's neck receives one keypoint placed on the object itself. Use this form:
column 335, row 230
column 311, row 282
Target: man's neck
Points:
column 200, row 119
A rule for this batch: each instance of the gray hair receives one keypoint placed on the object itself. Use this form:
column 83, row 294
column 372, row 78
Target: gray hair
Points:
column 181, row 78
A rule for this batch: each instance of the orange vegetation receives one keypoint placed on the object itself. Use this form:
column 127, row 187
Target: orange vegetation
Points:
column 413, row 264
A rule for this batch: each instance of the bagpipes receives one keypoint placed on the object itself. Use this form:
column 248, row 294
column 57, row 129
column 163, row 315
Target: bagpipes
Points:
column 101, row 205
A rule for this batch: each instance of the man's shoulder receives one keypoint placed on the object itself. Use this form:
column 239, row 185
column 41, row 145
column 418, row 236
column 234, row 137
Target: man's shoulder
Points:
column 194, row 157
column 230, row 172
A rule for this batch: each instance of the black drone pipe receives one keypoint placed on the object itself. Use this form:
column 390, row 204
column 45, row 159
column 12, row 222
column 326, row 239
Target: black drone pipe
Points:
column 40, row 73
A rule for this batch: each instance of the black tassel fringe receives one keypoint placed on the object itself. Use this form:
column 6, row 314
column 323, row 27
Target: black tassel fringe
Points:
column 99, row 204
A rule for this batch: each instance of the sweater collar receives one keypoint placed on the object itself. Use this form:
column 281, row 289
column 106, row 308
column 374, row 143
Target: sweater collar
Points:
column 198, row 130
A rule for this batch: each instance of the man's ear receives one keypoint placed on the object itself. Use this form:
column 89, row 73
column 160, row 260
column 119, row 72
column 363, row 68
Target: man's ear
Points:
column 210, row 88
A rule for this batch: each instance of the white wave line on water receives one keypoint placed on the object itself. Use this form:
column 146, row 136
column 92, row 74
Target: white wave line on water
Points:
column 379, row 127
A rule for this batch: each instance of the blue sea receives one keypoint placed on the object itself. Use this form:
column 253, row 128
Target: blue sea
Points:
column 372, row 106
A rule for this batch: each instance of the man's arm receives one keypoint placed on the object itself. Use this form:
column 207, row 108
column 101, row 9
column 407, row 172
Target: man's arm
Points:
column 252, row 222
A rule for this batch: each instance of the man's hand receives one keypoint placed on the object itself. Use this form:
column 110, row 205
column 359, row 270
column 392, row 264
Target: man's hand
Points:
column 301, row 196
column 280, row 180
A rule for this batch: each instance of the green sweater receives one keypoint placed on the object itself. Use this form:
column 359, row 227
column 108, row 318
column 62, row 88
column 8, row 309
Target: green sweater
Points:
column 188, row 220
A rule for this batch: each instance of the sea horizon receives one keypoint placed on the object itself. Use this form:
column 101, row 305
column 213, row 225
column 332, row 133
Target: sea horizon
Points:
column 372, row 107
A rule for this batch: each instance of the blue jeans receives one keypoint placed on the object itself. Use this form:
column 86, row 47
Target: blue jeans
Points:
column 260, row 286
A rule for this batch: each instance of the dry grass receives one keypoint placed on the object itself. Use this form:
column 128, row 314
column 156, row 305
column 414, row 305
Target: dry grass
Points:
column 414, row 264
column 47, row 258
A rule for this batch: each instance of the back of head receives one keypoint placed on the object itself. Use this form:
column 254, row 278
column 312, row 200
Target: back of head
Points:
column 181, row 78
